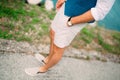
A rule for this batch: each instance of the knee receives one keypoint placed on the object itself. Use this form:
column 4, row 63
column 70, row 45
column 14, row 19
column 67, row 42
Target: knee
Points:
column 58, row 50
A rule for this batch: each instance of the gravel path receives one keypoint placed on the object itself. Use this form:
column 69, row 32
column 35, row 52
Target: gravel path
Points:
column 12, row 67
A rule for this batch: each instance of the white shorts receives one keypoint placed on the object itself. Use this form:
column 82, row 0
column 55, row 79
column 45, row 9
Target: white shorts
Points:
column 64, row 34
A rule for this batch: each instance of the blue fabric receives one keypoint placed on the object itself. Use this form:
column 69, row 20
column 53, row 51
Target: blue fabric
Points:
column 78, row 7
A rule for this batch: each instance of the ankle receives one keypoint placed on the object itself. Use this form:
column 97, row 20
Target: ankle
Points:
column 43, row 69
column 46, row 59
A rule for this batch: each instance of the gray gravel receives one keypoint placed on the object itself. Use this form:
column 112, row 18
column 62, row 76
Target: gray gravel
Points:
column 12, row 68
column 11, row 46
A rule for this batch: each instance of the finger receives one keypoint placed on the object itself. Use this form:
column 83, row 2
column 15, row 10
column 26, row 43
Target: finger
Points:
column 58, row 5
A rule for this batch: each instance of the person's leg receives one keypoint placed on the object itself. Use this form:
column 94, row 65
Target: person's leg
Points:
column 55, row 58
column 52, row 33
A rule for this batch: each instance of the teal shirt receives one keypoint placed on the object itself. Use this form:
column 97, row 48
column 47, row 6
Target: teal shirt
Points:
column 78, row 7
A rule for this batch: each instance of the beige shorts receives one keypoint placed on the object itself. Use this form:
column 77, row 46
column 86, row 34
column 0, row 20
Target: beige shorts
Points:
column 64, row 34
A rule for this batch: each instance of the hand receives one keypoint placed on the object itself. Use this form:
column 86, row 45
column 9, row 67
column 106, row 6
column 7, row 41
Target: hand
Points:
column 59, row 4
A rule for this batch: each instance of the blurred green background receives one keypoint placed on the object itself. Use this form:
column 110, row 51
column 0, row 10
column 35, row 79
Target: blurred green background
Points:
column 24, row 22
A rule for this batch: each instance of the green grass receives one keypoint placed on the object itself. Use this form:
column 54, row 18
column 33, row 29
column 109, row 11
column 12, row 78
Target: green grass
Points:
column 44, row 26
column 51, row 15
column 103, row 44
column 7, row 25
column 35, row 20
column 108, row 47
column 21, row 18
column 28, row 27
column 87, row 35
column 32, row 13
column 44, row 31
column 5, row 35
column 23, row 38
column 11, row 13
column 116, row 36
